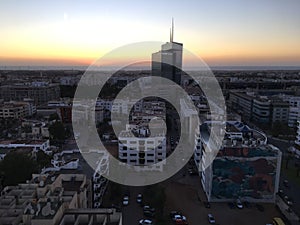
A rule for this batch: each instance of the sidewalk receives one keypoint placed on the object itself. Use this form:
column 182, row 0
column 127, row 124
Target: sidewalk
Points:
column 286, row 211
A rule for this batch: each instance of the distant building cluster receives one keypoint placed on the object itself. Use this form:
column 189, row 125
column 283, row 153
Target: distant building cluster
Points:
column 40, row 92
column 266, row 109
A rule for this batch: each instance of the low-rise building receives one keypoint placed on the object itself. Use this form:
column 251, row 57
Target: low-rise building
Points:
column 56, row 199
column 35, row 145
column 16, row 110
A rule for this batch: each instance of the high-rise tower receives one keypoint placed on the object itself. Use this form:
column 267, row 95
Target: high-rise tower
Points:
column 168, row 62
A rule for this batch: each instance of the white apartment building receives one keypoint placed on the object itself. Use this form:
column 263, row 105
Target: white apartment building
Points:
column 141, row 151
column 119, row 105
column 294, row 112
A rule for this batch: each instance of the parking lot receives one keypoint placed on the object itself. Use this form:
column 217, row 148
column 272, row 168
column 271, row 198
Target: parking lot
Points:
column 183, row 192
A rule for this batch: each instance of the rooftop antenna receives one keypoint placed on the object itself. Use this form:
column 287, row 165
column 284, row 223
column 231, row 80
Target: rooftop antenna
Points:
column 172, row 31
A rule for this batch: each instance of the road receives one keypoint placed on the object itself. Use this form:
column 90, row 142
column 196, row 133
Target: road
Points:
column 133, row 213
column 292, row 191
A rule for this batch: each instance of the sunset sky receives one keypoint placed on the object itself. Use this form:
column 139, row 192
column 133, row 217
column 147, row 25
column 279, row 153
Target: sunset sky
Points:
column 221, row 32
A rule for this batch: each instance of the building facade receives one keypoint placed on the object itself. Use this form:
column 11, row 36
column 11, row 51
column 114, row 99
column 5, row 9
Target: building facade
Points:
column 245, row 167
column 260, row 109
column 167, row 62
column 41, row 92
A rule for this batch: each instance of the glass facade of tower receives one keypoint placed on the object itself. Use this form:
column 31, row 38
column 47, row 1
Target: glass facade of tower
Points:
column 168, row 62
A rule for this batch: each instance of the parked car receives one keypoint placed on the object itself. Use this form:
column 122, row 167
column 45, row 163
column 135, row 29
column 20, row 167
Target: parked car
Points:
column 239, row 204
column 192, row 172
column 173, row 213
column 211, row 219
column 288, row 200
column 125, row 200
column 139, row 198
column 179, row 217
column 145, row 222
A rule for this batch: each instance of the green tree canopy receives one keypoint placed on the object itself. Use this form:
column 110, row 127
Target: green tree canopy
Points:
column 17, row 168
column 57, row 131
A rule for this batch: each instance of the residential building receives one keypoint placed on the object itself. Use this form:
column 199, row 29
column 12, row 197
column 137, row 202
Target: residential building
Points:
column 297, row 142
column 137, row 148
column 294, row 111
column 260, row 109
column 245, row 167
column 63, row 108
column 242, row 103
column 53, row 200
column 296, row 148
column 16, row 110
column 280, row 110
column 41, row 92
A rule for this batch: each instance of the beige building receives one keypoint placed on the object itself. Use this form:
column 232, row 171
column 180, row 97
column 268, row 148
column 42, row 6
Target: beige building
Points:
column 14, row 110
column 53, row 200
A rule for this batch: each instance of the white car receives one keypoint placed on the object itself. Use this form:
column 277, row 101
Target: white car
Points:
column 179, row 217
column 211, row 219
column 145, row 222
column 125, row 200
column 239, row 204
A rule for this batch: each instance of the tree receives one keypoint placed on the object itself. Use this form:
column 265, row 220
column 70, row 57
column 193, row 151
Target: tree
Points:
column 57, row 131
column 42, row 159
column 17, row 168
column 53, row 116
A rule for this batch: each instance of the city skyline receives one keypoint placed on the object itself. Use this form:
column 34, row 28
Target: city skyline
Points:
column 230, row 33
